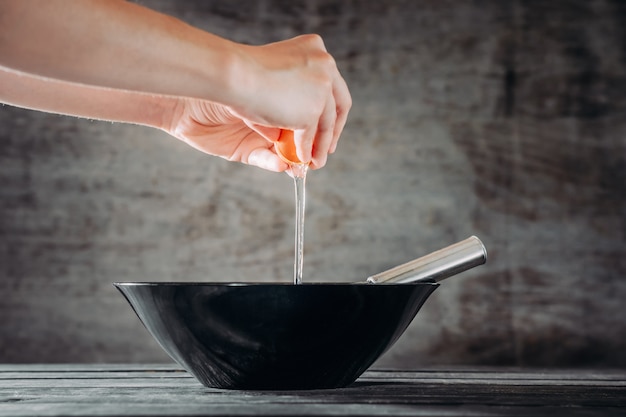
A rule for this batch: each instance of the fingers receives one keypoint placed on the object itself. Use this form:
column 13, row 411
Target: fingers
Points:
column 332, row 121
column 302, row 91
column 324, row 134
column 335, row 113
column 343, row 101
column 303, row 139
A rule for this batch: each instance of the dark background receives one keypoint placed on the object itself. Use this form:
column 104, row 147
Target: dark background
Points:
column 504, row 119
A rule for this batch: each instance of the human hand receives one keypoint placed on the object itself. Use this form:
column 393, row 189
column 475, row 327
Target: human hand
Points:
column 213, row 128
column 292, row 85
column 295, row 85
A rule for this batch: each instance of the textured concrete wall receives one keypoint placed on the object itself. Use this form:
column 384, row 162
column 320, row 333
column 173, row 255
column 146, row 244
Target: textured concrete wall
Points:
column 502, row 119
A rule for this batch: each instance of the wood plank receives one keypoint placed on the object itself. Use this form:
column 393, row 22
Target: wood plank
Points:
column 457, row 371
column 542, row 377
column 88, row 367
column 191, row 409
column 560, row 377
column 313, row 410
column 92, row 375
column 372, row 394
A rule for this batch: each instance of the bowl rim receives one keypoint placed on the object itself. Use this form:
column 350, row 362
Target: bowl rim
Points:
column 268, row 284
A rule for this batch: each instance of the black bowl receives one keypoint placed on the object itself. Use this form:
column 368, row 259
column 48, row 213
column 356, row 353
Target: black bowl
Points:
column 276, row 336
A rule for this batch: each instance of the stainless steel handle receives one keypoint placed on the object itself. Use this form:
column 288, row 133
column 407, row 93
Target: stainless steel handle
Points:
column 438, row 265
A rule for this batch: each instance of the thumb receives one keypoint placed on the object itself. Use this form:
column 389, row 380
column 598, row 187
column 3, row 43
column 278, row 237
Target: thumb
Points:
column 266, row 159
column 268, row 133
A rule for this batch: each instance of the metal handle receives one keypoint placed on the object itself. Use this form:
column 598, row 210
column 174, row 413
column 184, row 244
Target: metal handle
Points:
column 438, row 265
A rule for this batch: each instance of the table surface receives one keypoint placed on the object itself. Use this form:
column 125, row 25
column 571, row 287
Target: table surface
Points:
column 166, row 390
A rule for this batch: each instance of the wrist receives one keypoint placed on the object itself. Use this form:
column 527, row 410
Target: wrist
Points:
column 158, row 111
column 229, row 75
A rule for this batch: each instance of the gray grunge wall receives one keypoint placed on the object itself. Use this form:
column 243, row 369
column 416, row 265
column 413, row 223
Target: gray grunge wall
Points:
column 504, row 119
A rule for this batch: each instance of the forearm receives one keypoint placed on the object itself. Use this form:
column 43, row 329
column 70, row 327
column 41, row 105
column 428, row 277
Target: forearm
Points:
column 119, row 57
column 36, row 93
column 115, row 44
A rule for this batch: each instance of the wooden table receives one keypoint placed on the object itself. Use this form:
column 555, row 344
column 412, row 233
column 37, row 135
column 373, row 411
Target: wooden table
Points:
column 164, row 390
